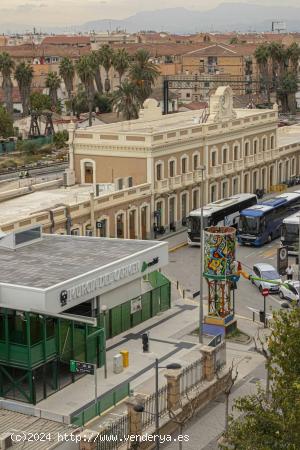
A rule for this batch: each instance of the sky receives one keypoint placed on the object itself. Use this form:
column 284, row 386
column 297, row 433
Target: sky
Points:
column 67, row 12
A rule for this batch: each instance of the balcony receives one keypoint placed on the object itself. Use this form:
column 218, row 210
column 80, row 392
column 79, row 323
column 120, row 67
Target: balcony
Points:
column 187, row 178
column 250, row 161
column 162, row 186
column 216, row 171
column 239, row 164
column 228, row 168
column 275, row 153
column 198, row 175
column 175, row 182
column 267, row 155
column 258, row 158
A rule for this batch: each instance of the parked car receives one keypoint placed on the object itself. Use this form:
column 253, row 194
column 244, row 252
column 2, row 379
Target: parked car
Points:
column 290, row 291
column 267, row 272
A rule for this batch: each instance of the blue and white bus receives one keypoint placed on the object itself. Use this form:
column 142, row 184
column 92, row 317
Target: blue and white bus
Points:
column 262, row 222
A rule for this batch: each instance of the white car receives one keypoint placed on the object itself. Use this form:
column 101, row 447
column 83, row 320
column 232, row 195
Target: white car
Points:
column 266, row 272
column 290, row 291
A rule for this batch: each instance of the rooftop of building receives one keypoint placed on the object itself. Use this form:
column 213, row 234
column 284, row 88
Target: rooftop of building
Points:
column 59, row 258
column 288, row 135
column 39, row 201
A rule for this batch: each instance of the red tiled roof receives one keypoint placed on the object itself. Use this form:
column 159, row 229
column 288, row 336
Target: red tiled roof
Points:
column 36, row 51
column 67, row 40
column 193, row 106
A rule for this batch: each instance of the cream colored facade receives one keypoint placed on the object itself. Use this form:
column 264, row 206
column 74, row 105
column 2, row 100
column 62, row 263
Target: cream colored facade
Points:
column 155, row 164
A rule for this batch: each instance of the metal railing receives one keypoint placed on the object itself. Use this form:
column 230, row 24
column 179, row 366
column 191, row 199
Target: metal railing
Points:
column 192, row 375
column 114, row 434
column 149, row 405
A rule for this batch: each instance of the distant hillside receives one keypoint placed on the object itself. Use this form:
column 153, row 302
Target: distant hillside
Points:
column 225, row 17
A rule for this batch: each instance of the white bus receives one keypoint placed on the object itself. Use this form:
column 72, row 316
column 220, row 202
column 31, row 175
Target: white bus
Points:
column 290, row 233
column 223, row 212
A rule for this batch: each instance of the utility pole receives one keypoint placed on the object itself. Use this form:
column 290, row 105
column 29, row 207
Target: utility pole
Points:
column 202, row 168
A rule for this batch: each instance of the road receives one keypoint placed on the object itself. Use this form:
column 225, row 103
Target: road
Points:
column 184, row 266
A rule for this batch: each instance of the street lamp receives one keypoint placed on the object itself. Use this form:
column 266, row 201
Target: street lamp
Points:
column 140, row 408
column 104, row 311
column 202, row 168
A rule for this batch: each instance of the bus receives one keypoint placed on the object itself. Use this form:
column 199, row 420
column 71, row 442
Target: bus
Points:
column 290, row 233
column 222, row 212
column 261, row 223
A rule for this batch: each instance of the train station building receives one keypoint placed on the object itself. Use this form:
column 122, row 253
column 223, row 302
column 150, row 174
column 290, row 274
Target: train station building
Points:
column 54, row 290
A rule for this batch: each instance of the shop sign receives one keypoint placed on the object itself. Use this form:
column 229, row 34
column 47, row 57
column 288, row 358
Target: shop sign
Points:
column 146, row 264
column 91, row 286
column 136, row 305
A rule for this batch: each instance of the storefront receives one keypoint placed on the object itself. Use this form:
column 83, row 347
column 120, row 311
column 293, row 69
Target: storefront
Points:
column 54, row 292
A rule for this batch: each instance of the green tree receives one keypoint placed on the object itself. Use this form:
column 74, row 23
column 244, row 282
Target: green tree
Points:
column 86, row 75
column 278, row 57
column 293, row 52
column 103, row 102
column 125, row 100
column 106, row 55
column 262, row 58
column 6, row 123
column 39, row 102
column 24, row 76
column 121, row 62
column 95, row 61
column 60, row 138
column 79, row 103
column 53, row 84
column 268, row 423
column 6, row 69
column 286, row 92
column 67, row 73
column 143, row 73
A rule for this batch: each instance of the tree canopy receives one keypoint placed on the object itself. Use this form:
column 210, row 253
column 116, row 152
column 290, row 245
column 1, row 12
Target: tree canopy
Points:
column 269, row 423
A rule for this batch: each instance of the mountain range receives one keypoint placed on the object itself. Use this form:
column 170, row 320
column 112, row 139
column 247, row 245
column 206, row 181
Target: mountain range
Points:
column 241, row 17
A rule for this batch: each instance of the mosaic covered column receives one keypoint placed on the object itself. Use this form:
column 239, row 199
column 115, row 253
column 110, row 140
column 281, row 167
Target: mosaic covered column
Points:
column 219, row 265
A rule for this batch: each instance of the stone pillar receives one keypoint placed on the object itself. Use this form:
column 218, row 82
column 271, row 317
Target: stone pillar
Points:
column 208, row 354
column 88, row 440
column 173, row 393
column 135, row 423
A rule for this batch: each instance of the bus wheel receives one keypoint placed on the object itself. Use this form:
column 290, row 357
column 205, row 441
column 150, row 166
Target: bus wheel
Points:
column 269, row 238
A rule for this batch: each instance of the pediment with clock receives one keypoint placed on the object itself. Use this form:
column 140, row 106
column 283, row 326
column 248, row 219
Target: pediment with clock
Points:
column 221, row 105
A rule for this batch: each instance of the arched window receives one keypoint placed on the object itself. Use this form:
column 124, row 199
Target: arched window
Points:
column 225, row 155
column 159, row 171
column 246, row 148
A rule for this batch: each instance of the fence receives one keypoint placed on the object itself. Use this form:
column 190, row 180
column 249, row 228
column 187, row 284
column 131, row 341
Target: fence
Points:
column 114, row 435
column 104, row 402
column 149, row 414
column 191, row 376
column 220, row 357
column 11, row 146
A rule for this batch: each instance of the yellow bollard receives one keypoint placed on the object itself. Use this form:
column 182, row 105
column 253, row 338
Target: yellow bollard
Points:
column 125, row 356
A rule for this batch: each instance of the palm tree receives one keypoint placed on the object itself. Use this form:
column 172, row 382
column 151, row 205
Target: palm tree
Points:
column 278, row 58
column 24, row 76
column 143, row 74
column 67, row 73
column 86, row 74
column 53, row 83
column 106, row 55
column 287, row 90
column 262, row 58
column 293, row 52
column 126, row 101
column 95, row 61
column 121, row 62
column 6, row 69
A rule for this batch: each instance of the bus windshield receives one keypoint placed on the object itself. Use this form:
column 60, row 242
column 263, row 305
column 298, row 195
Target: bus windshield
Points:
column 290, row 229
column 193, row 224
column 249, row 224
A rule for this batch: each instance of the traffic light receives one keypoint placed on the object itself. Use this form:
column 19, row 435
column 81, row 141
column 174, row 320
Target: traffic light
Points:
column 145, row 341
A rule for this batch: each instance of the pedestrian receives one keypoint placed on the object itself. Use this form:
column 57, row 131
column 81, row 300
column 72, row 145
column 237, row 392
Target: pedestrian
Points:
column 289, row 273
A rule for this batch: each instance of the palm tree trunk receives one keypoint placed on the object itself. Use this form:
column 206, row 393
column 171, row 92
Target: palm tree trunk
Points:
column 98, row 82
column 7, row 88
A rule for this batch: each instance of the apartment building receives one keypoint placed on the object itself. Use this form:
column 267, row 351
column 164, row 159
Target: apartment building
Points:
column 152, row 168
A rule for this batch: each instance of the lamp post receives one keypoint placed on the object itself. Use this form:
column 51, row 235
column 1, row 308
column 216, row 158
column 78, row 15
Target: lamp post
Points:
column 104, row 311
column 140, row 408
column 202, row 168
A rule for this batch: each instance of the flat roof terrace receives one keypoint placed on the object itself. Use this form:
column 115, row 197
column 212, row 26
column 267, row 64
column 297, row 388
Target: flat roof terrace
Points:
column 56, row 258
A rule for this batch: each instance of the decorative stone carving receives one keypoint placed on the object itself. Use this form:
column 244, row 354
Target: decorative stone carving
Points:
column 221, row 105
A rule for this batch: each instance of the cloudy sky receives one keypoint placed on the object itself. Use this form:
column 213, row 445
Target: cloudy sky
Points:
column 67, row 12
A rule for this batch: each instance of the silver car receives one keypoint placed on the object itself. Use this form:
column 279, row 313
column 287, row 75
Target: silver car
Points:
column 267, row 272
